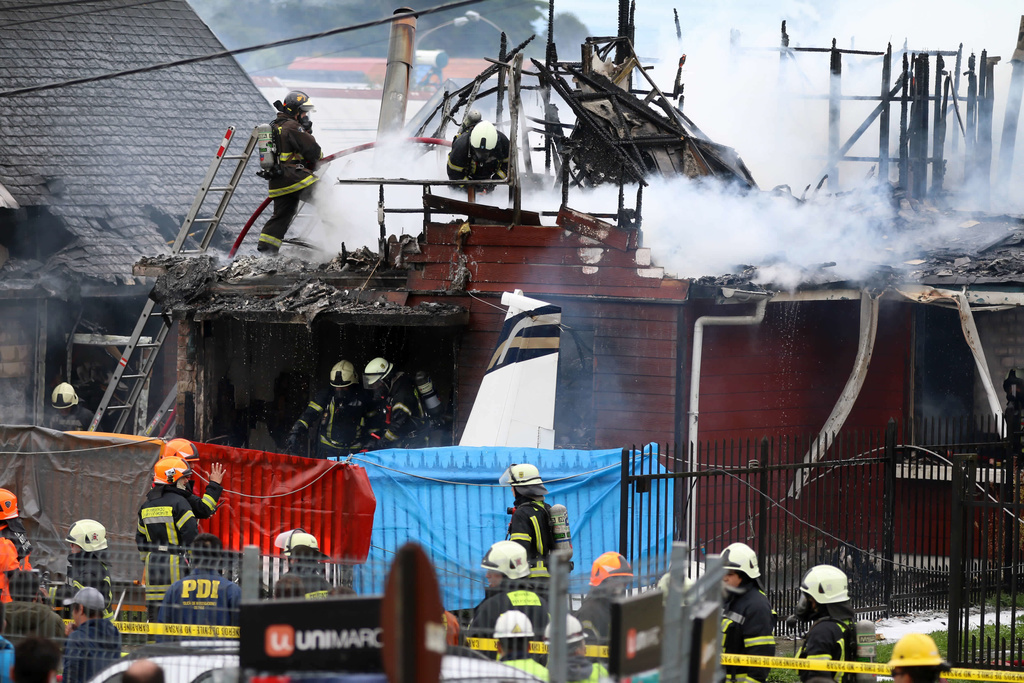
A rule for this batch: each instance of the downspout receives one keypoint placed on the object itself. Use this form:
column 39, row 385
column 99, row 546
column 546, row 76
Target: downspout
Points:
column 970, row 330
column 841, row 410
column 694, row 412
column 401, row 55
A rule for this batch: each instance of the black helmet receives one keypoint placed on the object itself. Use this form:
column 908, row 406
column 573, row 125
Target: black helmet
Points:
column 294, row 102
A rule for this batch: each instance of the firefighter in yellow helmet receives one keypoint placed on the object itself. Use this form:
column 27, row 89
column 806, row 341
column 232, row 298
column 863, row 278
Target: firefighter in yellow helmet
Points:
column 305, row 562
column 916, row 659
column 335, row 416
column 167, row 523
column 14, row 545
column 395, row 419
column 67, row 414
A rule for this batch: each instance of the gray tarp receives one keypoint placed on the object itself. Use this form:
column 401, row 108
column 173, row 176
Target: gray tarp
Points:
column 60, row 478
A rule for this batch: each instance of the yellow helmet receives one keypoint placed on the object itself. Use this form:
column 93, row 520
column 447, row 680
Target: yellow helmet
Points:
column 916, row 649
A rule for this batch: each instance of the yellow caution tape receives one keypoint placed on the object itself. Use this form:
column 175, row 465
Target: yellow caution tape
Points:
column 865, row 668
column 536, row 647
column 143, row 628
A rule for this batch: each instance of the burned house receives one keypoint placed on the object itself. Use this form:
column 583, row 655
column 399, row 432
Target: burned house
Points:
column 96, row 172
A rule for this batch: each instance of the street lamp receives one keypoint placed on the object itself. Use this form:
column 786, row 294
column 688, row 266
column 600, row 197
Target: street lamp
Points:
column 469, row 16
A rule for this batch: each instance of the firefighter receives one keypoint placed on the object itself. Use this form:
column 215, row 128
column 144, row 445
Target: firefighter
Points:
column 530, row 525
column 580, row 668
column 482, row 154
column 14, row 546
column 396, row 415
column 298, row 154
column 204, row 597
column 68, row 415
column 513, row 631
column 507, row 566
column 203, row 506
column 340, row 410
column 167, row 523
column 305, row 561
column 748, row 620
column 87, row 561
column 916, row 659
column 610, row 575
column 825, row 602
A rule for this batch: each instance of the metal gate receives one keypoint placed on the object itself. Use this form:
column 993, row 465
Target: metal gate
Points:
column 986, row 564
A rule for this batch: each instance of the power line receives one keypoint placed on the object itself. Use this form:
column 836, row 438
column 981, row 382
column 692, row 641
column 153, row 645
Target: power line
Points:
column 230, row 53
column 44, row 5
column 79, row 14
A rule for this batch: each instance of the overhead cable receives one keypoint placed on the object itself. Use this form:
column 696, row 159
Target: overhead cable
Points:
column 242, row 50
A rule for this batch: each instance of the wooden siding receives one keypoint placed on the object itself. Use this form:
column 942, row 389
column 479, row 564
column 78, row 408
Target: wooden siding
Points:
column 785, row 375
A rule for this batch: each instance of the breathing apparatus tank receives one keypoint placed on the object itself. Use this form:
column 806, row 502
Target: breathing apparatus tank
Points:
column 431, row 403
column 267, row 146
column 866, row 641
column 560, row 527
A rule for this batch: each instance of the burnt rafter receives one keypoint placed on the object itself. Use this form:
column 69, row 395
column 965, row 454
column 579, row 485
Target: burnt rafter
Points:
column 622, row 138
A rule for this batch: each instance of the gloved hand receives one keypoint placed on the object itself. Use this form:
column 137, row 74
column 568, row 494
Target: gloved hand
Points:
column 291, row 444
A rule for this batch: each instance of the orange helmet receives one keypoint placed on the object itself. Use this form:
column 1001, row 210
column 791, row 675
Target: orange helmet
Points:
column 608, row 565
column 181, row 448
column 170, row 470
column 8, row 505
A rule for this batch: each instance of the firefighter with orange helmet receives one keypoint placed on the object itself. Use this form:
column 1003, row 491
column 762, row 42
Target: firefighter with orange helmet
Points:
column 14, row 545
column 610, row 575
column 167, row 523
column 206, row 505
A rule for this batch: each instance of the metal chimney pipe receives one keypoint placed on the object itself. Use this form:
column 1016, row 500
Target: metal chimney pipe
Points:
column 401, row 56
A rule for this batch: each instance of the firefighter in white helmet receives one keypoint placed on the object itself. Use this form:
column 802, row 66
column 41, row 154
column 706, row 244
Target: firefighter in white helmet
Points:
column 825, row 602
column 305, row 562
column 530, row 525
column 396, row 418
column 67, row 414
column 748, row 620
column 580, row 668
column 336, row 415
column 513, row 631
column 507, row 567
column 88, row 562
column 480, row 154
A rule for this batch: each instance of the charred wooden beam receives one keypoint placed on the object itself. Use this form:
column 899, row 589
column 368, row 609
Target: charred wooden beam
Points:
column 479, row 211
column 593, row 228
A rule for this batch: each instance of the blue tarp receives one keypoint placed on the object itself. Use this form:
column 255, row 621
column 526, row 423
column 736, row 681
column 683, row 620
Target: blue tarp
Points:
column 448, row 500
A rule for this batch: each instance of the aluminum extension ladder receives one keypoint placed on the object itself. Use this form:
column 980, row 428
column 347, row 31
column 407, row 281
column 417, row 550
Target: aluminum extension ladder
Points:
column 140, row 377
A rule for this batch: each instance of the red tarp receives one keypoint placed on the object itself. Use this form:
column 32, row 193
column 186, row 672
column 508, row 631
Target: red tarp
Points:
column 267, row 493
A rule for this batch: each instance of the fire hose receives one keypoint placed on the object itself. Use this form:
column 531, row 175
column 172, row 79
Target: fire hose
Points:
column 337, row 155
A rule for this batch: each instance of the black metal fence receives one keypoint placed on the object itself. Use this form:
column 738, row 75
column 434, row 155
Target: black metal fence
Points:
column 879, row 504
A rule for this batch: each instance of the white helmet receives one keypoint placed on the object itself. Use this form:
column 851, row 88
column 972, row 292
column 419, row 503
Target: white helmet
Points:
column 88, row 534
column 508, row 558
column 826, row 584
column 343, row 374
column 520, row 475
column 376, row 370
column 64, row 396
column 484, row 137
column 740, row 557
column 573, row 630
column 513, row 624
column 288, row 541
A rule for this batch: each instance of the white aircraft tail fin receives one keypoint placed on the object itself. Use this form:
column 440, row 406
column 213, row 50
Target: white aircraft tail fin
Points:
column 516, row 402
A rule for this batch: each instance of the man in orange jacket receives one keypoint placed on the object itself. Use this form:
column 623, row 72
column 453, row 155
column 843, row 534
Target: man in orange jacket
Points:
column 14, row 545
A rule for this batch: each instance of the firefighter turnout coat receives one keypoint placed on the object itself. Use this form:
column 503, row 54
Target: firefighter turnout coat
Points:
column 14, row 554
column 827, row 641
column 511, row 595
column 298, row 154
column 530, row 527
column 166, row 528
column 748, row 625
column 462, row 164
column 339, row 413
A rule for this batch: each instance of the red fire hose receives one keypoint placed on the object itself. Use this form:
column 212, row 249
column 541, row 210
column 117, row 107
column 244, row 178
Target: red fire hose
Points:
column 336, row 155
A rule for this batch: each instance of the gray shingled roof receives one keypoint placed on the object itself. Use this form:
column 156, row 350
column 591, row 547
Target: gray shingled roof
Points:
column 113, row 159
